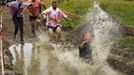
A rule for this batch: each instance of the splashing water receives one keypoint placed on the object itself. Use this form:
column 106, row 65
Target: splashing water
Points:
column 104, row 32
column 46, row 58
column 19, row 52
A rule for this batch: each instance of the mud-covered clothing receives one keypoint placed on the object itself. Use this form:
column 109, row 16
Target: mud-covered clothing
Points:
column 34, row 7
column 34, row 11
column 85, row 52
column 16, row 10
column 53, row 16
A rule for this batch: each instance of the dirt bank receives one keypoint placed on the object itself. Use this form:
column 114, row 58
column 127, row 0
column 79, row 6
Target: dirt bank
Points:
column 122, row 59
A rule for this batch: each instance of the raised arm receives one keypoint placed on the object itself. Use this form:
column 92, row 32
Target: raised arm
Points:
column 11, row 4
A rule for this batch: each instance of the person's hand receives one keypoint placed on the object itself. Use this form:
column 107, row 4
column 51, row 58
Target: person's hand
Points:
column 59, row 25
column 84, row 42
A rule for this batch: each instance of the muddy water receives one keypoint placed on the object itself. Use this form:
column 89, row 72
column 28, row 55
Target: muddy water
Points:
column 43, row 58
column 21, row 54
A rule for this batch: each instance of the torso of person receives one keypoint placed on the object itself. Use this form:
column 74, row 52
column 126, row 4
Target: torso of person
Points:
column 16, row 9
column 53, row 16
column 34, row 9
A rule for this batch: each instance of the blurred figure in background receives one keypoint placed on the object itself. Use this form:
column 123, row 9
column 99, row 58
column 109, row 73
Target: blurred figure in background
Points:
column 16, row 9
column 34, row 11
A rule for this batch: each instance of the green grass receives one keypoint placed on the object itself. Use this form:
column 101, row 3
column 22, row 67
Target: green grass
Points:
column 79, row 7
column 122, row 11
column 128, row 42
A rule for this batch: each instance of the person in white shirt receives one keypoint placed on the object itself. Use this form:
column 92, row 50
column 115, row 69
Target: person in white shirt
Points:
column 54, row 16
column 16, row 10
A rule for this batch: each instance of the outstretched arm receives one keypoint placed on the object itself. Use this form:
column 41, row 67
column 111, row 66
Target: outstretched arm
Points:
column 83, row 44
column 65, row 16
column 68, row 19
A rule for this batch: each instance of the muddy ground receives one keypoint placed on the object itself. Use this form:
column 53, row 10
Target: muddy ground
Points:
column 122, row 58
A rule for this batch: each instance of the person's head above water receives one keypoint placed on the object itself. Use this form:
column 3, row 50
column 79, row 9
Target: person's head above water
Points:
column 54, row 5
column 86, row 36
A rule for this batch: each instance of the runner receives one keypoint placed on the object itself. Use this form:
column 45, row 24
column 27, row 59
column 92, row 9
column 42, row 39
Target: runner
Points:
column 16, row 9
column 34, row 11
column 54, row 16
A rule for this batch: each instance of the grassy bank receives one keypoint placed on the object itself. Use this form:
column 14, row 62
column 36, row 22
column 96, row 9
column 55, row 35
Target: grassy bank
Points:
column 128, row 42
column 122, row 11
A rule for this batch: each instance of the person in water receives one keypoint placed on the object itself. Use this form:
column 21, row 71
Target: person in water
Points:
column 85, row 47
column 17, row 9
column 54, row 15
column 33, row 10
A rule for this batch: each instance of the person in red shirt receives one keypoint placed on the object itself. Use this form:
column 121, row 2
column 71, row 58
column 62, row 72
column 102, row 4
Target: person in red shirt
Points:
column 33, row 10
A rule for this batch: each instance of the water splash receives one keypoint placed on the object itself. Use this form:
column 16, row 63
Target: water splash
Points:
column 104, row 32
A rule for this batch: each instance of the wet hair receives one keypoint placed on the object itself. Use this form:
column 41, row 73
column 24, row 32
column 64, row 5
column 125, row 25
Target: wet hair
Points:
column 85, row 33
